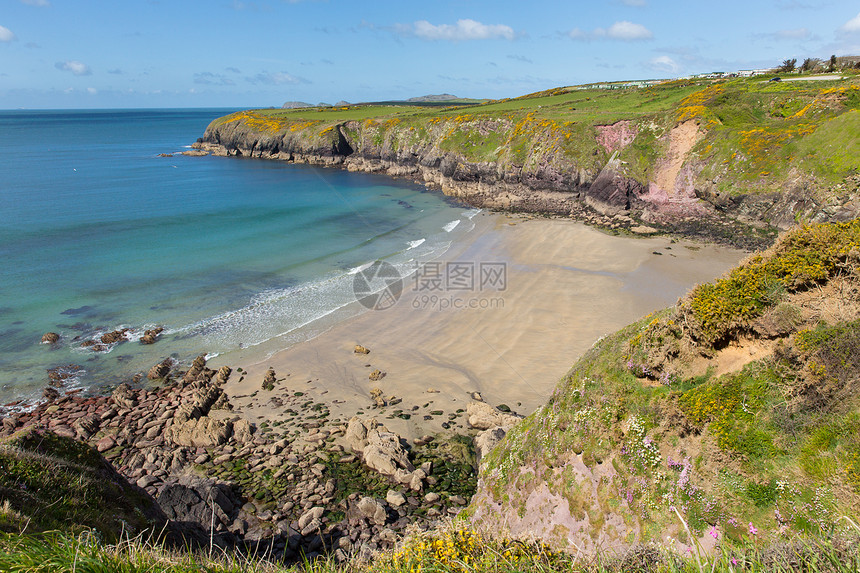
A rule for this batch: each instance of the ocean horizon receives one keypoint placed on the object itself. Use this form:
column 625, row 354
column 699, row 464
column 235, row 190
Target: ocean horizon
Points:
column 99, row 233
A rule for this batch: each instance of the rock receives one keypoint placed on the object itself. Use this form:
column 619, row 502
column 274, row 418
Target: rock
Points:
column 477, row 396
column 203, row 432
column 223, row 374
column 50, row 394
column 160, row 370
column 50, row 338
column 372, row 510
column 356, row 435
column 482, row 416
column 146, row 481
column 314, row 513
column 487, row 440
column 198, row 500
column 376, row 375
column 105, row 444
column 457, row 499
column 243, row 431
column 114, row 337
column 384, row 453
column 643, row 230
column 395, row 498
column 123, row 397
column 359, row 349
column 149, row 336
column 431, row 497
column 269, row 379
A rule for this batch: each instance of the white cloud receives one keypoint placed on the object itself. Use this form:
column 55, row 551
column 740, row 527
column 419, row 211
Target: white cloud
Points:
column 624, row 31
column 629, row 31
column 6, row 35
column 796, row 34
column 74, row 66
column 36, row 2
column 92, row 91
column 463, row 30
column 664, row 64
column 852, row 25
column 276, row 79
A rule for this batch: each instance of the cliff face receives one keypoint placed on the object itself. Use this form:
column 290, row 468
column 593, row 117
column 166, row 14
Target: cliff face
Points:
column 692, row 166
column 732, row 417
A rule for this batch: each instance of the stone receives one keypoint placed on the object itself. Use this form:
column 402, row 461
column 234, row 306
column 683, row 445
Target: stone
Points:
column 431, row 497
column 356, row 435
column 314, row 513
column 50, row 338
column 243, row 431
column 457, row 499
column 372, row 510
column 150, row 336
column 359, row 349
column 203, row 432
column 482, row 416
column 477, row 396
column 146, row 481
column 114, row 336
column 223, row 374
column 485, row 441
column 160, row 370
column 395, row 498
column 376, row 375
column 384, row 452
column 105, row 444
column 269, row 379
column 123, row 397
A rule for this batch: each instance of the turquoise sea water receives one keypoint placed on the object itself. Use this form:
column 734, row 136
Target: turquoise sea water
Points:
column 97, row 232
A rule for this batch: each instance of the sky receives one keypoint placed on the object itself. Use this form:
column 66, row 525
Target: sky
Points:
column 63, row 54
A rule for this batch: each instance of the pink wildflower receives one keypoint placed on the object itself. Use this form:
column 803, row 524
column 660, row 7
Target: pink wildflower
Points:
column 714, row 533
column 753, row 529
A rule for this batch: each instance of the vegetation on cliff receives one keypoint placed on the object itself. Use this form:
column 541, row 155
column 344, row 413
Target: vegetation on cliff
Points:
column 737, row 411
column 772, row 152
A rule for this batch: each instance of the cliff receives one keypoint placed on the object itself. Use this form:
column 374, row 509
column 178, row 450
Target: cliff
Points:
column 731, row 417
column 731, row 161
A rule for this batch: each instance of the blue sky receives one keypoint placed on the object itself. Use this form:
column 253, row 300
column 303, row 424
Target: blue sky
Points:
column 258, row 53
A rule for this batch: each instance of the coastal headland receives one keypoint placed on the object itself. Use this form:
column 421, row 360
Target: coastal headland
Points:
column 395, row 418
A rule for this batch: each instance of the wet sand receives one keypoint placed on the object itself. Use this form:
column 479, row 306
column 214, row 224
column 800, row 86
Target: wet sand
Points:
column 565, row 285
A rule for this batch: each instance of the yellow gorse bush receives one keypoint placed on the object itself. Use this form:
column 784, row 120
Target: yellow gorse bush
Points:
column 805, row 256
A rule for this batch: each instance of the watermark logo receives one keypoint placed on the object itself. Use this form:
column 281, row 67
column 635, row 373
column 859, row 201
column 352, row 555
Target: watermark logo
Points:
column 378, row 286
column 440, row 286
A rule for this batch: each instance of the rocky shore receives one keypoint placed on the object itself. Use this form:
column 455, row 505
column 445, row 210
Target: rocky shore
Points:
column 599, row 189
column 290, row 490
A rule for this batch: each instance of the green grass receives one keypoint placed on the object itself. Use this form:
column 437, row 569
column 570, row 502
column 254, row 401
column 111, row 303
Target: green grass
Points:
column 49, row 482
column 450, row 550
column 756, row 136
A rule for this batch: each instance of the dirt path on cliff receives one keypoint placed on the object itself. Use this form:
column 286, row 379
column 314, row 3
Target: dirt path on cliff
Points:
column 682, row 139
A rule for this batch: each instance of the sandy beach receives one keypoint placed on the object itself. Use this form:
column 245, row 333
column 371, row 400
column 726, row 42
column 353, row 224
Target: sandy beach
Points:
column 550, row 289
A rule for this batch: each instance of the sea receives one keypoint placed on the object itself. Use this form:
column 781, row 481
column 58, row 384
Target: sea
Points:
column 99, row 232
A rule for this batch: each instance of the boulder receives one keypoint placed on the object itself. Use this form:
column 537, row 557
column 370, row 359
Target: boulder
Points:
column 203, row 432
column 269, row 379
column 384, row 453
column 356, row 435
column 123, row 397
column 150, row 336
column 395, row 498
column 370, row 509
column 50, row 338
column 482, row 416
column 114, row 337
column 485, row 441
column 160, row 370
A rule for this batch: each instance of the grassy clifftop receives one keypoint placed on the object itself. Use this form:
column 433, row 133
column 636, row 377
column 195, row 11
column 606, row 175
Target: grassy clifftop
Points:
column 736, row 413
column 689, row 148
